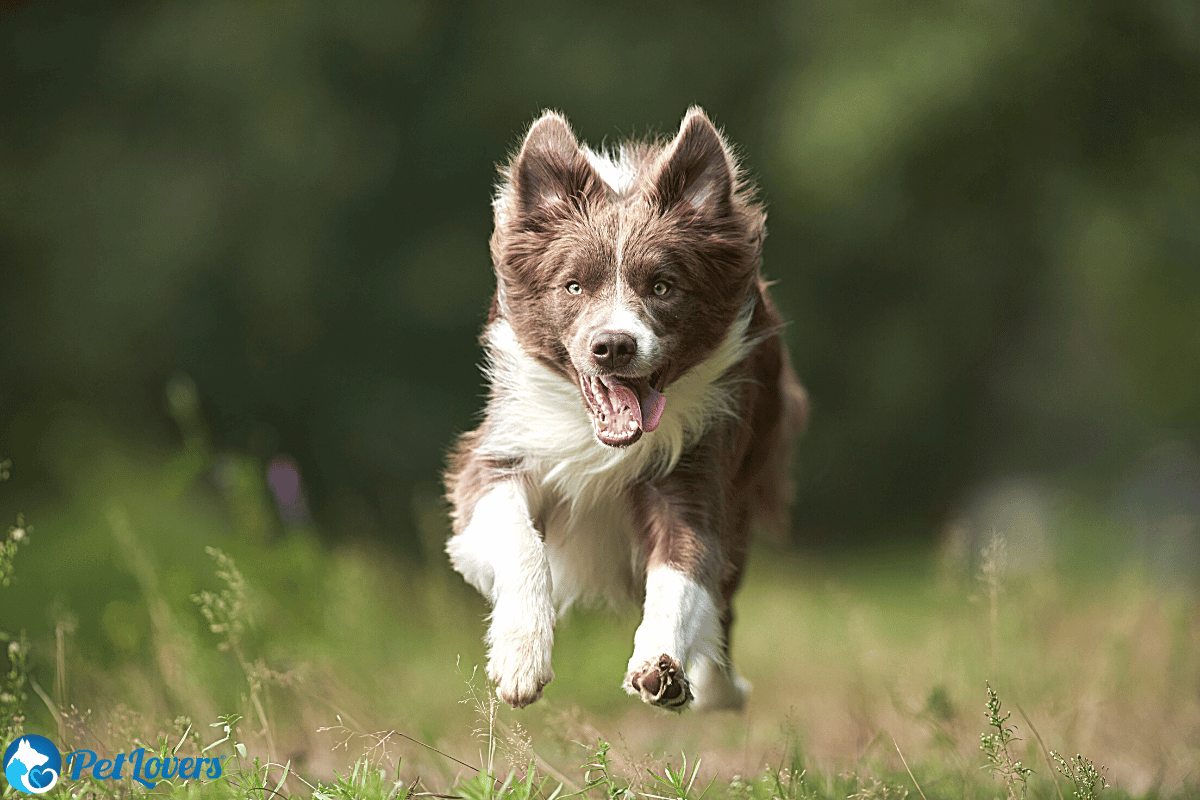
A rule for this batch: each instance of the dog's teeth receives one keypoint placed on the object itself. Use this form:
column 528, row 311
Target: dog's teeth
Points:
column 632, row 425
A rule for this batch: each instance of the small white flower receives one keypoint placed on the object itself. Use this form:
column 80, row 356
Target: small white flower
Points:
column 14, row 648
column 17, row 534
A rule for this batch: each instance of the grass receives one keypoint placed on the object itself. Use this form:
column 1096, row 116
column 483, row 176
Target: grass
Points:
column 154, row 606
column 997, row 745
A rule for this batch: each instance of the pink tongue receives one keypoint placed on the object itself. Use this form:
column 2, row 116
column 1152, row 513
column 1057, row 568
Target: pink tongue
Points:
column 646, row 410
column 652, row 405
column 621, row 395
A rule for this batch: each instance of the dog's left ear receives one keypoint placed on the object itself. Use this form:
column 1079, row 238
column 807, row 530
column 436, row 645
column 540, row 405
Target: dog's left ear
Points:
column 696, row 171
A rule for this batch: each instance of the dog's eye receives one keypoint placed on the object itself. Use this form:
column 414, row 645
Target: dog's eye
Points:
column 661, row 288
column 574, row 288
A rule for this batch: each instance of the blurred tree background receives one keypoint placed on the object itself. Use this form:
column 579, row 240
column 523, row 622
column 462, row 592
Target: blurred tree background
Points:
column 984, row 224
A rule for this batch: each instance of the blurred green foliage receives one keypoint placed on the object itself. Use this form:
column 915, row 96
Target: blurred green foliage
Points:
column 983, row 224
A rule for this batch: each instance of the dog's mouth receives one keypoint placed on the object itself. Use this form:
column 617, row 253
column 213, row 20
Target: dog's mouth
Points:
column 622, row 408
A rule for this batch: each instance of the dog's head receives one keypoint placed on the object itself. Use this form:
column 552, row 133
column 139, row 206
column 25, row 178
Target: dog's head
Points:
column 622, row 273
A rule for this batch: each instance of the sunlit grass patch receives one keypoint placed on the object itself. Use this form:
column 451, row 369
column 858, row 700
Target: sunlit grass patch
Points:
column 154, row 614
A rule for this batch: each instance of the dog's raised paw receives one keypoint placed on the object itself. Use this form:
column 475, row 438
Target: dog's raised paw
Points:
column 519, row 684
column 660, row 682
column 521, row 639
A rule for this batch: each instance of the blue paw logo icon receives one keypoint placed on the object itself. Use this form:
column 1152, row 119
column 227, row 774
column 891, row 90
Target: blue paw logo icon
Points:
column 32, row 764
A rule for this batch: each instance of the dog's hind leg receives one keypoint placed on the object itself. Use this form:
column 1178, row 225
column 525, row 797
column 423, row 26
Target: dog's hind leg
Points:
column 718, row 687
column 716, row 684
column 501, row 554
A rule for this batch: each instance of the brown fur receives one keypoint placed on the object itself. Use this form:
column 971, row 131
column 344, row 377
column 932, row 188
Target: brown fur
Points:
column 690, row 221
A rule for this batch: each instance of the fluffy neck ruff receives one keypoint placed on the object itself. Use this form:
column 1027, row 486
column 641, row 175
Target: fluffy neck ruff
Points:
column 537, row 417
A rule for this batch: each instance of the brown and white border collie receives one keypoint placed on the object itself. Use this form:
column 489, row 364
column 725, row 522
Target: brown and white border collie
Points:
column 641, row 411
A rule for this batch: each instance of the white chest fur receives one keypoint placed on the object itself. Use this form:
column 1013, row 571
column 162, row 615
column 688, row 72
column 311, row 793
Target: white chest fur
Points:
column 577, row 488
column 592, row 553
column 538, row 416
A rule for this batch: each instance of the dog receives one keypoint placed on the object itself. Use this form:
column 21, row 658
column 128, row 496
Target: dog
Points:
column 641, row 411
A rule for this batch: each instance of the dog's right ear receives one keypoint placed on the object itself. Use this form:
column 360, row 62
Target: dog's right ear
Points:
column 550, row 174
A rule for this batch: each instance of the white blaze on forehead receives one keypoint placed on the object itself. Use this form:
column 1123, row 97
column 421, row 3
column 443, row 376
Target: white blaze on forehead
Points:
column 627, row 314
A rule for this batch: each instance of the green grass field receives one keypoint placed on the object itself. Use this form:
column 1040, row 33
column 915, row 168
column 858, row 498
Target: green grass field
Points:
column 149, row 607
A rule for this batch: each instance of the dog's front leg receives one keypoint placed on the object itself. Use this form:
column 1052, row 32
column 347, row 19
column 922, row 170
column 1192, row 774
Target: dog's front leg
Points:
column 502, row 555
column 680, row 620
column 679, row 623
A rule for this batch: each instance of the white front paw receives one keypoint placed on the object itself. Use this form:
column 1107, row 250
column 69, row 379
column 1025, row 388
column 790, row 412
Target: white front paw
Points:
column 519, row 658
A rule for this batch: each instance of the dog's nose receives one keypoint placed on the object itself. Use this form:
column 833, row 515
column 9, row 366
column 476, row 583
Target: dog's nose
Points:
column 613, row 349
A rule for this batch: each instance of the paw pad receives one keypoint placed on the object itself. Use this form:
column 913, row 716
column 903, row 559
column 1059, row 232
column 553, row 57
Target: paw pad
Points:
column 660, row 682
